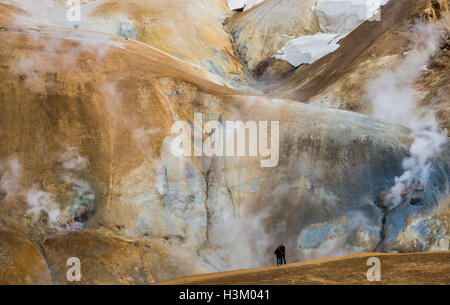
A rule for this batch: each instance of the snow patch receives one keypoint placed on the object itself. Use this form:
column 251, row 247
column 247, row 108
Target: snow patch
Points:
column 343, row 16
column 308, row 49
column 242, row 4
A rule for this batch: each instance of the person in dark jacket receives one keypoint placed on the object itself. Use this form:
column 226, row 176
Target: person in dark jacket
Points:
column 278, row 255
column 282, row 254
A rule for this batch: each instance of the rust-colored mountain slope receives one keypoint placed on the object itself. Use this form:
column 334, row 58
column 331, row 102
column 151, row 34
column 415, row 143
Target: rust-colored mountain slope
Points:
column 340, row 78
column 408, row 268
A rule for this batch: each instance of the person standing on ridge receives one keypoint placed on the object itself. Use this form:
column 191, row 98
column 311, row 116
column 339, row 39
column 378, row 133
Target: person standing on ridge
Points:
column 282, row 254
column 278, row 255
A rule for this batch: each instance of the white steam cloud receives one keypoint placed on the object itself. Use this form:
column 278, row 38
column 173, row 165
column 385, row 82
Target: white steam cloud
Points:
column 10, row 174
column 142, row 138
column 34, row 67
column 70, row 159
column 42, row 202
column 239, row 243
column 80, row 193
column 393, row 98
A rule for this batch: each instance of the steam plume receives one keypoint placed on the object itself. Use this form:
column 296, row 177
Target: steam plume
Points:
column 393, row 98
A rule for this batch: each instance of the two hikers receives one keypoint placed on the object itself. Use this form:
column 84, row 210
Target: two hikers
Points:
column 280, row 253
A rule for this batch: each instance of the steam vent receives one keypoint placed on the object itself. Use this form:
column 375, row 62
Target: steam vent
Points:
column 183, row 141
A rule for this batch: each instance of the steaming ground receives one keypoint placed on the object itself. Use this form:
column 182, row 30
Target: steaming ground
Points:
column 78, row 198
column 394, row 98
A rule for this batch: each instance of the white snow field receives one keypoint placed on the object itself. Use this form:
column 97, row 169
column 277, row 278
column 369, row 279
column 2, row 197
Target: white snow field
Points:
column 308, row 49
column 343, row 16
column 242, row 4
column 337, row 18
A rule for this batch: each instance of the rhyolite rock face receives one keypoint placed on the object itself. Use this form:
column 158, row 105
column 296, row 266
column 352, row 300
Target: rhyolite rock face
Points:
column 87, row 168
column 340, row 79
column 260, row 32
column 204, row 41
